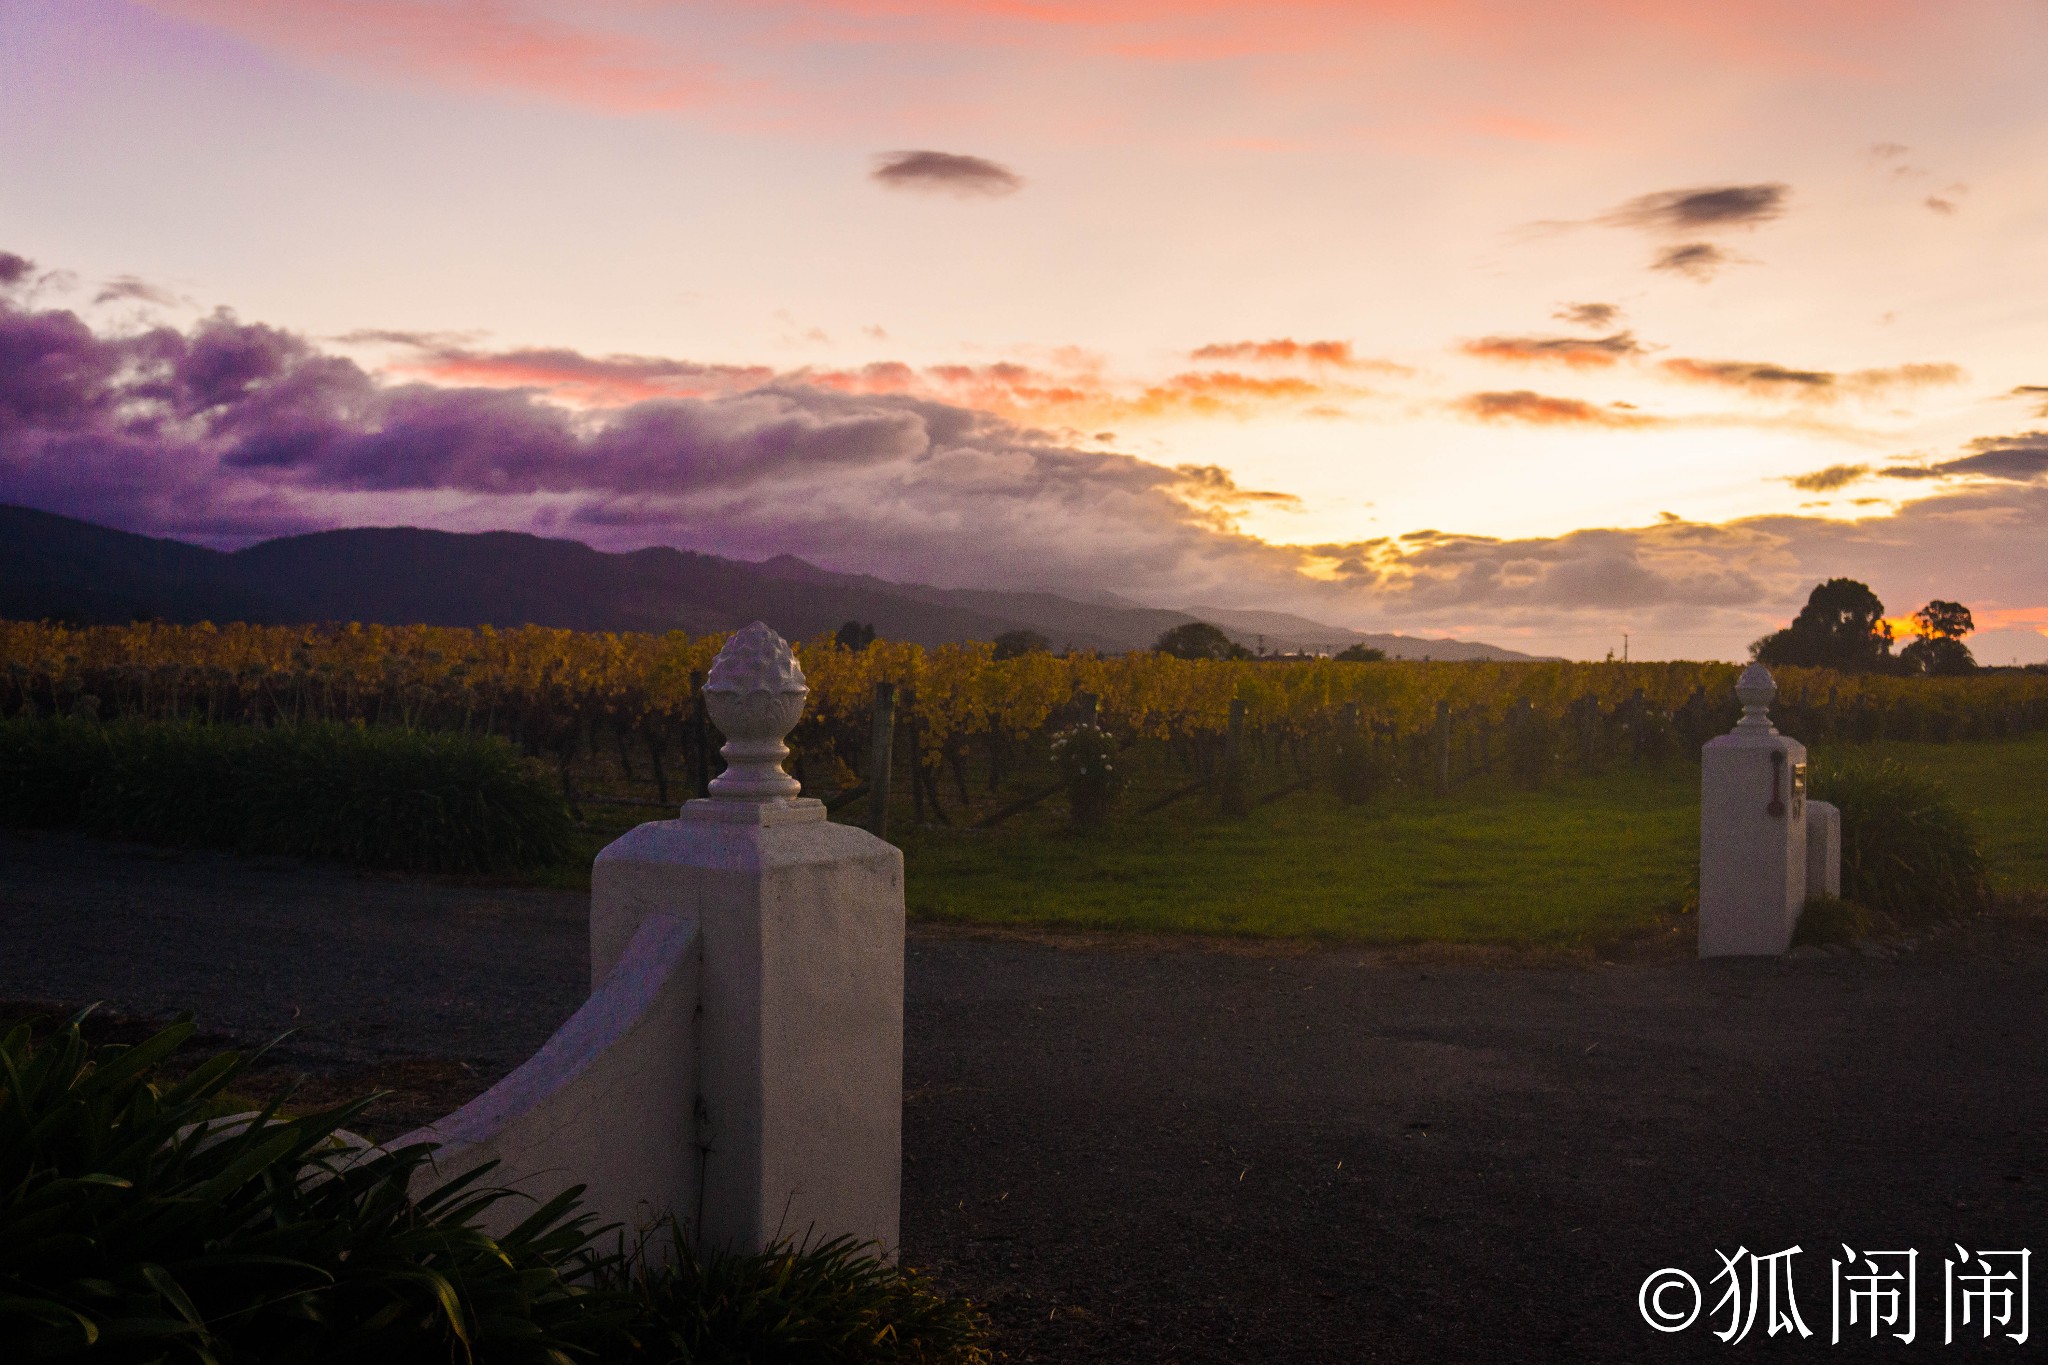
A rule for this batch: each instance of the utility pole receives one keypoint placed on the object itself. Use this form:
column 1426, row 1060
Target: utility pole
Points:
column 1624, row 646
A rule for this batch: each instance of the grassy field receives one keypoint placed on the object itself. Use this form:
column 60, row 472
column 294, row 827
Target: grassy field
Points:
column 1586, row 860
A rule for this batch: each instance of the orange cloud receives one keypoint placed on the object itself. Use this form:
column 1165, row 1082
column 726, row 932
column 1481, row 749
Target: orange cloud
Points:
column 2012, row 618
column 1282, row 350
column 1082, row 398
column 1547, row 410
column 1578, row 353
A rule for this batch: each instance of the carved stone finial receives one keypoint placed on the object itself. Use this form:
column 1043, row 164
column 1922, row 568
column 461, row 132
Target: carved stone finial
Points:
column 755, row 694
column 1756, row 689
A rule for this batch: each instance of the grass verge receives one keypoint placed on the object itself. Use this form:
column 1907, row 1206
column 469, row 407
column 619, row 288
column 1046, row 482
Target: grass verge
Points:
column 1585, row 861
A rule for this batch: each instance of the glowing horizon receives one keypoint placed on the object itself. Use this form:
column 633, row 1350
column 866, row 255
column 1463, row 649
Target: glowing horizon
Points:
column 1527, row 323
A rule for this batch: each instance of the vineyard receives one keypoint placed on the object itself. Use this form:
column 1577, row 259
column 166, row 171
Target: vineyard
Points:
column 971, row 732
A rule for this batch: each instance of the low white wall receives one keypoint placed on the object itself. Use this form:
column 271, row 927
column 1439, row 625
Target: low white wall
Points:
column 1823, row 849
column 605, row 1103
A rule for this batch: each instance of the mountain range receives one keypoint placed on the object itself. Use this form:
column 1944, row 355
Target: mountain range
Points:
column 55, row 567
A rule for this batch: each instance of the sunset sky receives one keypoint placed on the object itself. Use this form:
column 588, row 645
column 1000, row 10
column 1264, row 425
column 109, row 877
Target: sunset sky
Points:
column 1514, row 320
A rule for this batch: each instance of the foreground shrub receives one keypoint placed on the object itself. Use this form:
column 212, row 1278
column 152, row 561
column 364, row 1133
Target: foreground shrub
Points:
column 133, row 1229
column 404, row 799
column 1908, row 851
column 1830, row 919
column 137, row 1226
column 831, row 1304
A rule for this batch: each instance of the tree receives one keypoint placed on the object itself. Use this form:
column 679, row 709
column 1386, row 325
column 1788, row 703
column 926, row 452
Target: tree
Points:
column 1199, row 640
column 1940, row 651
column 1940, row 620
column 854, row 636
column 1013, row 644
column 1362, row 654
column 1841, row 626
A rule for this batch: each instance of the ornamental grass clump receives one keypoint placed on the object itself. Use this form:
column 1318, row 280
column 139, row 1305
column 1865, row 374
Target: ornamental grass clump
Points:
column 1092, row 771
column 1908, row 851
column 1830, row 919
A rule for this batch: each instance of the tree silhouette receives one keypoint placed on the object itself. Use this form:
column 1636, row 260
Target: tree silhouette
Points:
column 1841, row 626
column 1940, row 651
column 1012, row 644
column 1199, row 640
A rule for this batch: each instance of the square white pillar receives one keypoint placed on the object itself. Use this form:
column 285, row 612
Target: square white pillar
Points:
column 1752, row 831
column 800, row 1039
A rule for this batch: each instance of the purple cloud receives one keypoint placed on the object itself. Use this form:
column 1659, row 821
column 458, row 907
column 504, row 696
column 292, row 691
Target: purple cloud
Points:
column 229, row 431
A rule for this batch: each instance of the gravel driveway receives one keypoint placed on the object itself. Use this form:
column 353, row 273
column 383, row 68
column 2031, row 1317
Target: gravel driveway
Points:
column 1152, row 1151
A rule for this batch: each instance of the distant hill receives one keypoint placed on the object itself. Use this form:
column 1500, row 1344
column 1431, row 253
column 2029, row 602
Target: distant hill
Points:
column 62, row 568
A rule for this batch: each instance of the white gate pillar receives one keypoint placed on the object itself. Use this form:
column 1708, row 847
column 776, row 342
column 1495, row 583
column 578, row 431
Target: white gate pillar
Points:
column 739, row 1063
column 799, row 1105
column 1753, row 855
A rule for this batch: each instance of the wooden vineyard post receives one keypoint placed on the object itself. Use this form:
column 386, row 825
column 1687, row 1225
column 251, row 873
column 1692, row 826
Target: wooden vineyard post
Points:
column 881, row 755
column 1443, row 748
column 1234, row 803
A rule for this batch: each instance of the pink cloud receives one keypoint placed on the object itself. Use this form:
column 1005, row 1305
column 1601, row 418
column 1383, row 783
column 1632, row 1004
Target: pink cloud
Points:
column 473, row 44
column 637, row 56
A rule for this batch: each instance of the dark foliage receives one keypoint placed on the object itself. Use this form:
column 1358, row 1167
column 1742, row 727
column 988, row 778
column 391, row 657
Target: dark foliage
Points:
column 1940, row 620
column 137, row 1225
column 830, row 1304
column 854, row 636
column 134, row 1228
column 1199, row 640
column 1091, row 768
column 1908, row 851
column 1940, row 651
column 1531, row 745
column 1830, row 919
column 1362, row 654
column 1937, row 658
column 1015, row 644
column 1841, row 626
column 403, row 799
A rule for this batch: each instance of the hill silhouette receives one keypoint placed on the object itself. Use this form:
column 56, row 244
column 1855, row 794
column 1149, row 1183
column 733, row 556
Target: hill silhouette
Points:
column 56, row 567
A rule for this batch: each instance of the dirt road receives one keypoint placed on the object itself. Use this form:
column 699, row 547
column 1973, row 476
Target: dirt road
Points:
column 1169, row 1152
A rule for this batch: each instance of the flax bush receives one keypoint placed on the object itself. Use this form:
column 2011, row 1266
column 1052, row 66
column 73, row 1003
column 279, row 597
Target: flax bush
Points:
column 137, row 1227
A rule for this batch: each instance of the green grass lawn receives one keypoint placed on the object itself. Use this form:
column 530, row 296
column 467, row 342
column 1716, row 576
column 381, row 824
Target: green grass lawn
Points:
column 1586, row 860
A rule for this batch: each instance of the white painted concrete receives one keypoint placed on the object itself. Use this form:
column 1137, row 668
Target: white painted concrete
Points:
column 1823, row 849
column 1752, row 830
column 740, row 1061
column 605, row 1103
column 801, row 1044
